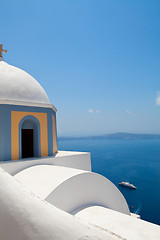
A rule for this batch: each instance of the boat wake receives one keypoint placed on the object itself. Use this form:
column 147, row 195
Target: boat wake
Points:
column 138, row 209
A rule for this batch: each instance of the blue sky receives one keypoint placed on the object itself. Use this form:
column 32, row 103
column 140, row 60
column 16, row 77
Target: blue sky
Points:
column 98, row 61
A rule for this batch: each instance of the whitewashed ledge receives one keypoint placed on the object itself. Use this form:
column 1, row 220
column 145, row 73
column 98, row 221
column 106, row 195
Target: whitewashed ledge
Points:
column 122, row 225
column 25, row 216
column 71, row 159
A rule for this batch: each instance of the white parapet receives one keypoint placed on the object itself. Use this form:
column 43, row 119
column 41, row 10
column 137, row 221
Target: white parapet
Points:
column 78, row 160
column 25, row 216
column 71, row 189
column 123, row 226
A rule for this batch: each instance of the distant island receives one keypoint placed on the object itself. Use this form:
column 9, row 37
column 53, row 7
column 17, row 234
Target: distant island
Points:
column 123, row 136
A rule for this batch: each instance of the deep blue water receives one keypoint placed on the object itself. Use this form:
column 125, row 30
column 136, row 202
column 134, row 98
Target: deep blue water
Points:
column 137, row 161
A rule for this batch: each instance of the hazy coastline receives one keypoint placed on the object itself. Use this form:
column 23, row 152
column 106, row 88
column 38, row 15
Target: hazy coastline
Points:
column 123, row 136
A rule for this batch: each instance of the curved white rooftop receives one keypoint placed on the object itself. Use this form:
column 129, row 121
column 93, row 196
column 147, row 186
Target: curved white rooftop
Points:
column 72, row 189
column 25, row 216
column 18, row 85
column 123, row 226
column 43, row 179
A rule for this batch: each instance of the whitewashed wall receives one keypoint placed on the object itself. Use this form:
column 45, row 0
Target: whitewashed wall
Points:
column 24, row 216
column 76, row 160
column 71, row 189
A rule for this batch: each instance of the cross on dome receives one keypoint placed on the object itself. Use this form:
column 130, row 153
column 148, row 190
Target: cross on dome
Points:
column 2, row 50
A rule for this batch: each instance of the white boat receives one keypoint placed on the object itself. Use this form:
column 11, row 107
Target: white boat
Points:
column 127, row 184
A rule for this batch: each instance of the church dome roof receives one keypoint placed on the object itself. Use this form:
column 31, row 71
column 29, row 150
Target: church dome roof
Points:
column 18, row 85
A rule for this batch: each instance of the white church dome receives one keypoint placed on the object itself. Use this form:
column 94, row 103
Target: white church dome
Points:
column 17, row 85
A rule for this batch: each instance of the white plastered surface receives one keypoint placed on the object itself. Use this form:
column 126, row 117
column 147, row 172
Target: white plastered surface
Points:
column 124, row 226
column 43, row 179
column 24, row 216
column 18, row 85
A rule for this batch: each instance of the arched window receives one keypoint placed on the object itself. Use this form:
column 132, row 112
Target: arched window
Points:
column 29, row 137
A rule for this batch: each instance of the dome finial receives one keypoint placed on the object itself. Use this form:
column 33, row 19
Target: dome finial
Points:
column 2, row 50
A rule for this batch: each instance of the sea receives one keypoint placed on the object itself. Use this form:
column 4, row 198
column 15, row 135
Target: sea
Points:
column 136, row 161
